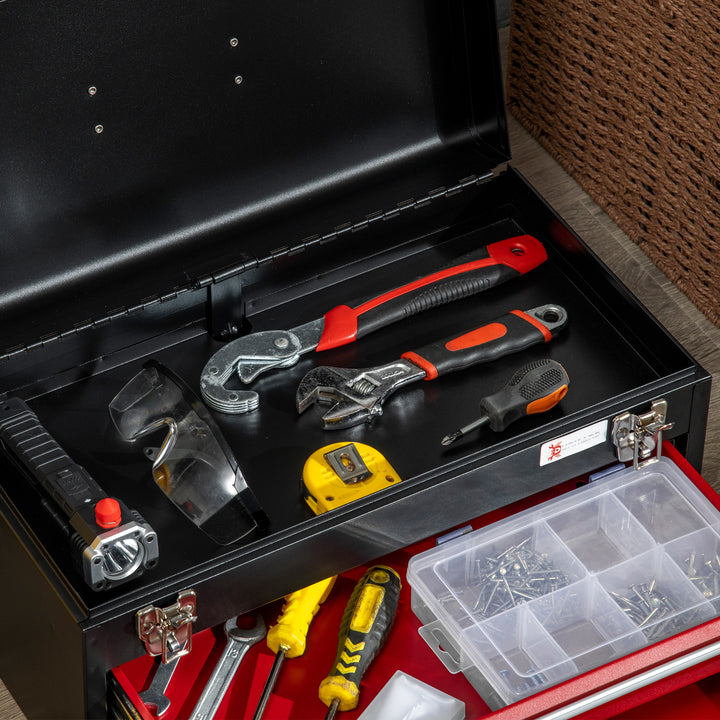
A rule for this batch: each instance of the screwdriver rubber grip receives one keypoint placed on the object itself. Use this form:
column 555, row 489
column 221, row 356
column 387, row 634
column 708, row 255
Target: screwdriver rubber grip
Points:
column 301, row 606
column 535, row 388
column 509, row 334
column 506, row 259
column 366, row 622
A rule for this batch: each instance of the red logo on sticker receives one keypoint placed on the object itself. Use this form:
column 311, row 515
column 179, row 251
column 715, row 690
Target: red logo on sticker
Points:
column 555, row 451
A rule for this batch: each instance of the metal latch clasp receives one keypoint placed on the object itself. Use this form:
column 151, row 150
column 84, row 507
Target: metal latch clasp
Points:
column 168, row 631
column 638, row 436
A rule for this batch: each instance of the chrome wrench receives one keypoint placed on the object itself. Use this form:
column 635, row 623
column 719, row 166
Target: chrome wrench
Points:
column 239, row 641
column 357, row 394
column 258, row 352
column 155, row 695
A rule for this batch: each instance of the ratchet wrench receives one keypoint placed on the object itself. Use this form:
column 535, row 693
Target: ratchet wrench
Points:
column 258, row 352
column 357, row 395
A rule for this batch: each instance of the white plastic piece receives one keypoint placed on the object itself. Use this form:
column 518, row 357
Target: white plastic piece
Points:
column 406, row 698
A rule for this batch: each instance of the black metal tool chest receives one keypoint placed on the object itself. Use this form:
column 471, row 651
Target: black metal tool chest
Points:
column 175, row 175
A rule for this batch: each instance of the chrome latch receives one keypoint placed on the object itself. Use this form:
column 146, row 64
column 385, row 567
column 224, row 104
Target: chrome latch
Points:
column 638, row 436
column 168, row 631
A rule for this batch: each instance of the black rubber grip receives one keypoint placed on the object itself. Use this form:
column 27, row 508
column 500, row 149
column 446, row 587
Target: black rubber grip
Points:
column 45, row 462
column 357, row 647
column 496, row 263
column 507, row 335
column 535, row 388
column 441, row 293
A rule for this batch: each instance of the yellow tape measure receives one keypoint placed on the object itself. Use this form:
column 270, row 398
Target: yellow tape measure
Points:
column 342, row 472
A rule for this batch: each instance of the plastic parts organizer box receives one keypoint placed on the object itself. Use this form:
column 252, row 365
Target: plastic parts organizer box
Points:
column 571, row 584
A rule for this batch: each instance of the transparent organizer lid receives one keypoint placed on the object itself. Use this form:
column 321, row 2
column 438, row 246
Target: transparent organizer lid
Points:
column 657, row 522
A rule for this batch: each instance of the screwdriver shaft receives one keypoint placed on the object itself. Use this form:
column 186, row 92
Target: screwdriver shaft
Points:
column 288, row 636
column 332, row 709
column 452, row 437
column 269, row 683
column 535, row 388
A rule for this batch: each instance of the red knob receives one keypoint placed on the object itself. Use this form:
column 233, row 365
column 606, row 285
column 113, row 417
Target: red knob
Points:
column 108, row 513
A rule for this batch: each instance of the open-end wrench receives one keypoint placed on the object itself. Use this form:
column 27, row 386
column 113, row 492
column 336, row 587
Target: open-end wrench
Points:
column 154, row 696
column 357, row 395
column 239, row 641
column 259, row 352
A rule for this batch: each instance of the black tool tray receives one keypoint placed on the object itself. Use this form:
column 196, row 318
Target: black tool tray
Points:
column 174, row 175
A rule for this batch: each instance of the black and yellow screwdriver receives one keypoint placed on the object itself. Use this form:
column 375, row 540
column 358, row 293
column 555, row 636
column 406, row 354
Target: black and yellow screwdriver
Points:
column 366, row 622
column 535, row 388
column 288, row 637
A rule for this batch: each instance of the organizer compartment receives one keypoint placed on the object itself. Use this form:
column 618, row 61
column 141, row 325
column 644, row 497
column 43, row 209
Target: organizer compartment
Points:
column 509, row 571
column 601, row 533
column 660, row 508
column 656, row 595
column 518, row 655
column 574, row 583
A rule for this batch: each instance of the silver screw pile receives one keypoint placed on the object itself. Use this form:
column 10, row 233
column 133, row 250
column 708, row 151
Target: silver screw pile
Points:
column 646, row 606
column 704, row 573
column 515, row 576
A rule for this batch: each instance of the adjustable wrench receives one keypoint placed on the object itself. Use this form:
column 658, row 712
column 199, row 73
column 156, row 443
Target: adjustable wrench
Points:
column 239, row 641
column 357, row 395
column 259, row 352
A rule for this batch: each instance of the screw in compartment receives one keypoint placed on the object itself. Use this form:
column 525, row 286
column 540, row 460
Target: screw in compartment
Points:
column 705, row 574
column 514, row 576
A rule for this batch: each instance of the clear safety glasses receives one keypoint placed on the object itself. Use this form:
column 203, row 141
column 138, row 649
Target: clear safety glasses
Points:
column 193, row 464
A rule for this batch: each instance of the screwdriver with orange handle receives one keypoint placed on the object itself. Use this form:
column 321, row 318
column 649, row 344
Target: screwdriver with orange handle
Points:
column 365, row 625
column 536, row 388
column 288, row 637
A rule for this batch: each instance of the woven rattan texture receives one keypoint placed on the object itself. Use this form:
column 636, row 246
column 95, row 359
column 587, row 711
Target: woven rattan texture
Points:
column 626, row 96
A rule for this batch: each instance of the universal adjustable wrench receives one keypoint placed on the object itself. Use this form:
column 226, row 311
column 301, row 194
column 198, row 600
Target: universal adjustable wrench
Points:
column 357, row 395
column 239, row 641
column 259, row 352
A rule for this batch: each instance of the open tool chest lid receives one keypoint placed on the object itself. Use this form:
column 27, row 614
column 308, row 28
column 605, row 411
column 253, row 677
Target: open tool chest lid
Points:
column 148, row 146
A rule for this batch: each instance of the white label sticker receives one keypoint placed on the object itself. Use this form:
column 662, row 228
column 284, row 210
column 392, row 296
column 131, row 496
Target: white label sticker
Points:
column 573, row 443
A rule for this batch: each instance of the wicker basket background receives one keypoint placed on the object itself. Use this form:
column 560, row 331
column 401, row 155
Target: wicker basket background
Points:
column 626, row 96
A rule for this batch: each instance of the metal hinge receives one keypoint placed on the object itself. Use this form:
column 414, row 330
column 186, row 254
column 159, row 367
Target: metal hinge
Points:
column 345, row 228
column 85, row 325
column 168, row 631
column 638, row 436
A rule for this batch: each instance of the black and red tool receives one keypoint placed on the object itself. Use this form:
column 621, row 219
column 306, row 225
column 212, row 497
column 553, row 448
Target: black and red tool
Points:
column 535, row 388
column 259, row 352
column 357, row 395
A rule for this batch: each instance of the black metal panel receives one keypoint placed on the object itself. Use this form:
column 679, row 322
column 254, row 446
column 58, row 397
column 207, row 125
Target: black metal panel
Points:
column 145, row 141
column 42, row 637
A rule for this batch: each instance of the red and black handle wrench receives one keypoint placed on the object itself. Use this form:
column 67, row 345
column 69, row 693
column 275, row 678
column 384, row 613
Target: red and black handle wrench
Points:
column 357, row 395
column 258, row 352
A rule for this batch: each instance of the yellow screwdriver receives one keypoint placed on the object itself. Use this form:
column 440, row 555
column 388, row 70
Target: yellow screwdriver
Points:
column 366, row 622
column 288, row 637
